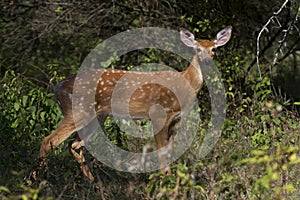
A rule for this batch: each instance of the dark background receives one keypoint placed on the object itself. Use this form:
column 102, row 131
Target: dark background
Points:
column 42, row 42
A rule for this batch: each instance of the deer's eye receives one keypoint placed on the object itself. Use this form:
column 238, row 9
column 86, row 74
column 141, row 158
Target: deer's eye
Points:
column 199, row 50
column 214, row 50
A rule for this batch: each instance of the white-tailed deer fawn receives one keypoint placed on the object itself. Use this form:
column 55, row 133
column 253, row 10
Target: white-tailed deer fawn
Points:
column 141, row 100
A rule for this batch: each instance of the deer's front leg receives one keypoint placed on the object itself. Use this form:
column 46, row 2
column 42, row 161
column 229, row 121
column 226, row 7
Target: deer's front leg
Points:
column 164, row 143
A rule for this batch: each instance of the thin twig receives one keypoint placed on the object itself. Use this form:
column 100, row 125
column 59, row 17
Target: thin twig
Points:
column 290, row 51
column 176, row 188
column 264, row 28
column 64, row 189
column 286, row 32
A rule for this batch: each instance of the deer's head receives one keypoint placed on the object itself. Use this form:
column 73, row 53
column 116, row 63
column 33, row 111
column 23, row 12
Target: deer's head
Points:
column 206, row 48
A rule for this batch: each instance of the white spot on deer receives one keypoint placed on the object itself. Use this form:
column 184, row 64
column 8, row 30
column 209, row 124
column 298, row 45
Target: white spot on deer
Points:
column 174, row 103
column 142, row 95
column 110, row 83
column 91, row 107
column 107, row 98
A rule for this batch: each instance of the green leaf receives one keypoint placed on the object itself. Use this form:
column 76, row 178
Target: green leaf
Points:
column 32, row 122
column 4, row 189
column 15, row 124
column 16, row 106
column 24, row 100
column 42, row 115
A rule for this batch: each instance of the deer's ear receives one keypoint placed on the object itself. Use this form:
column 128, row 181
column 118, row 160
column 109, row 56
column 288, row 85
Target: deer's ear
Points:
column 187, row 38
column 223, row 36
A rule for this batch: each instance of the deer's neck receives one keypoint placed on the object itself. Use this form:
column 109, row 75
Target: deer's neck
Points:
column 194, row 75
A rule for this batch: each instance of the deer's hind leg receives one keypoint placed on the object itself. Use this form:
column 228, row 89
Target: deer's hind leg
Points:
column 64, row 130
column 77, row 143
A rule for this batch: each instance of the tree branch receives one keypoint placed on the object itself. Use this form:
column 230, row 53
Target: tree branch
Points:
column 265, row 28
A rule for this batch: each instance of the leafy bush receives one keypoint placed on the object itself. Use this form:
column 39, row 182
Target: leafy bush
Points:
column 257, row 155
column 28, row 112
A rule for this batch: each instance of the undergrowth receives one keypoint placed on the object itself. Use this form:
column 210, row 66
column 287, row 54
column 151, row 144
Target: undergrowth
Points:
column 256, row 157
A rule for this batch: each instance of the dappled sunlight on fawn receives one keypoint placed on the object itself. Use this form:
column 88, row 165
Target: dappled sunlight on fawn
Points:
column 141, row 101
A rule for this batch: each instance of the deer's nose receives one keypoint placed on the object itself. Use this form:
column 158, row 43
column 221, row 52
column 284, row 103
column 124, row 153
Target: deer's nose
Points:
column 207, row 60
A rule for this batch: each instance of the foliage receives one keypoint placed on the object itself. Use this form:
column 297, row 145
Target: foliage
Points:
column 27, row 193
column 28, row 113
column 275, row 169
column 23, row 104
column 257, row 155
